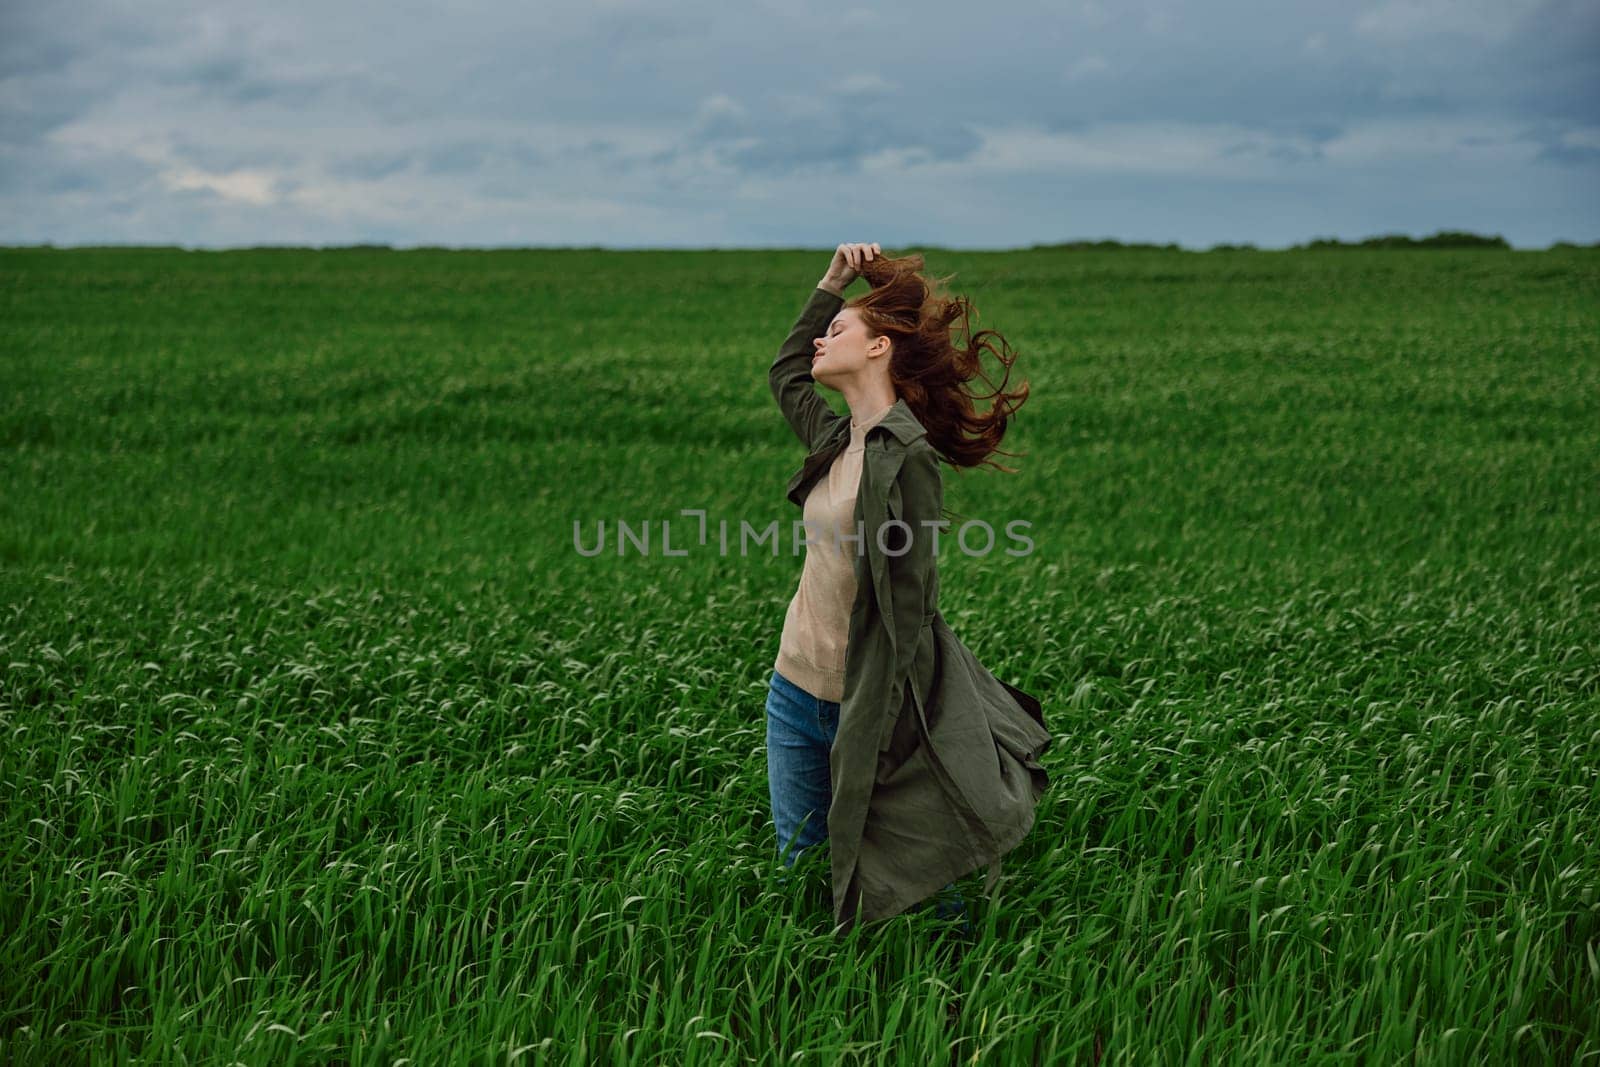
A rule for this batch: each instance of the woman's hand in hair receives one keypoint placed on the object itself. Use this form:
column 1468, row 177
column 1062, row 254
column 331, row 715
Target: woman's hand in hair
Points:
column 846, row 265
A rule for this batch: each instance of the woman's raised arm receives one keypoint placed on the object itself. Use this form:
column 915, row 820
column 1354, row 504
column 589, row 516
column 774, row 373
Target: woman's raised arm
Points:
column 790, row 377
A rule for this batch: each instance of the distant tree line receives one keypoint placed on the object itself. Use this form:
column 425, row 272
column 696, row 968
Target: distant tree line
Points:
column 1110, row 246
column 1441, row 239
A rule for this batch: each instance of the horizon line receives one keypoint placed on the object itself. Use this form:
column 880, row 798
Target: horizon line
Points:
column 1489, row 242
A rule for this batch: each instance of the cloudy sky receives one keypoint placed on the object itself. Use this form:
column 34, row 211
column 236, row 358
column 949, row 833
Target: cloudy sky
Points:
column 628, row 124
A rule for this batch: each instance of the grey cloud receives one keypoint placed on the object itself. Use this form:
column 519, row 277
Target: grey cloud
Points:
column 52, row 171
column 527, row 155
column 462, row 157
column 27, row 48
column 1554, row 146
column 518, row 157
column 1280, row 150
column 26, row 120
column 196, row 195
column 240, row 79
column 1316, row 132
column 470, row 109
column 219, row 157
column 40, row 39
column 1263, row 73
column 837, row 136
column 1550, row 65
column 645, row 27
column 56, row 68
column 504, row 188
column 1569, row 155
column 369, row 166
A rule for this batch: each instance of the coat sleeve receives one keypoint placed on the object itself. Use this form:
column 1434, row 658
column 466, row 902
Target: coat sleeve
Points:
column 790, row 377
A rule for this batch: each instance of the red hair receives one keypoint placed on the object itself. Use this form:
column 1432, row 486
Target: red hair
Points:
column 929, row 370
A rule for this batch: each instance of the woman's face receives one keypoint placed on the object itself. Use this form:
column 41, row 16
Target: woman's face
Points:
column 845, row 351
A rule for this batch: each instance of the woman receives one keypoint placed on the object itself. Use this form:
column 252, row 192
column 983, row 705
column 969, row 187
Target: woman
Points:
column 884, row 734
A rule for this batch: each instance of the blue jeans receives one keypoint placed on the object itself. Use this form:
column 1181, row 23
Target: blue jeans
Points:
column 800, row 732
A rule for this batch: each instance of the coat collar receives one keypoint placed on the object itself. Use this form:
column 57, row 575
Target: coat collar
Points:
column 898, row 425
column 898, row 421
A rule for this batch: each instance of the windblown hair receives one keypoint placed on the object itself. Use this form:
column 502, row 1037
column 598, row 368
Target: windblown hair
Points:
column 928, row 369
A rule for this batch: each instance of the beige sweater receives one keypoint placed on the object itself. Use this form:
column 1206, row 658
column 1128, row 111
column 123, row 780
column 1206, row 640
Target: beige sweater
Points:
column 812, row 648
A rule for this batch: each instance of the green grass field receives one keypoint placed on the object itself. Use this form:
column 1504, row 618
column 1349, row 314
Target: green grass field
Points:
column 323, row 744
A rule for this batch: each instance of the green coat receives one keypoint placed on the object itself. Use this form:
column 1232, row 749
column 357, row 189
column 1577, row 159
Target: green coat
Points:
column 935, row 768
